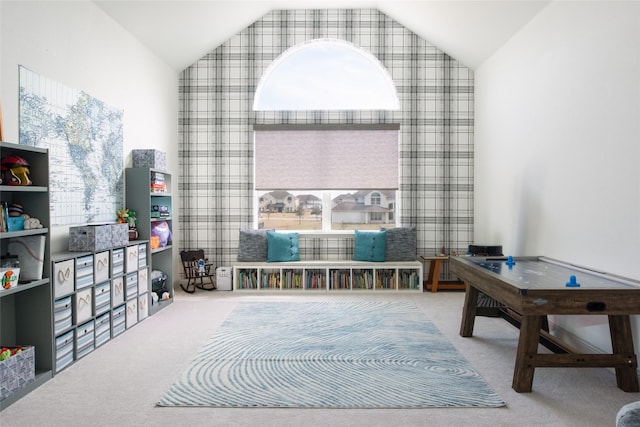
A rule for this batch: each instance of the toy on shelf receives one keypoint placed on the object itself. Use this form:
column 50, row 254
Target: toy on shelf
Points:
column 13, row 218
column 31, row 223
column 15, row 171
column 126, row 216
column 158, row 286
column 123, row 216
column 162, row 231
column 7, row 352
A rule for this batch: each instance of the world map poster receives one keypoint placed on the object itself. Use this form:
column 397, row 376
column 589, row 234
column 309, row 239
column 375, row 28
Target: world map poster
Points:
column 84, row 137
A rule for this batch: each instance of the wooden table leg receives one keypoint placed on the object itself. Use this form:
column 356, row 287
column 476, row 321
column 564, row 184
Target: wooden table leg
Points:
column 469, row 310
column 622, row 343
column 527, row 345
column 434, row 273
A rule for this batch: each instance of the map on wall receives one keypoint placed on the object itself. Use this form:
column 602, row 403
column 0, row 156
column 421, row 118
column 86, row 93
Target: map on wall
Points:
column 84, row 137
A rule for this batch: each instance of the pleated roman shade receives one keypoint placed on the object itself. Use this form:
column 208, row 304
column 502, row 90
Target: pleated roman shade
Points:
column 326, row 157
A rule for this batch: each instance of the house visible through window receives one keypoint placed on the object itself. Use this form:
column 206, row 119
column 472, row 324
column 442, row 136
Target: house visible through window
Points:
column 303, row 210
column 326, row 177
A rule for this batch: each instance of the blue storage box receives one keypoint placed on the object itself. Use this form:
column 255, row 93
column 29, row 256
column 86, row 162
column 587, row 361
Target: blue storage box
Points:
column 15, row 223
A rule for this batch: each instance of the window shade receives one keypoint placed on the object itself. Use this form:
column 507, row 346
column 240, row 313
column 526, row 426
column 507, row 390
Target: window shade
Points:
column 326, row 158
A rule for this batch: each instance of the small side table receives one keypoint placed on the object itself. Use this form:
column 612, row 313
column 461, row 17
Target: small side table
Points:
column 433, row 279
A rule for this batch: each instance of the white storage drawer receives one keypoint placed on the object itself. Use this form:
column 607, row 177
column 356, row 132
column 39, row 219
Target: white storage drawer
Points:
column 132, row 312
column 132, row 286
column 131, row 260
column 83, row 305
column 64, row 350
column 103, row 329
column 118, row 324
column 102, row 298
column 101, row 266
column 117, row 262
column 143, row 306
column 143, row 281
column 85, row 339
column 84, row 271
column 63, row 278
column 142, row 255
column 117, row 291
column 62, row 314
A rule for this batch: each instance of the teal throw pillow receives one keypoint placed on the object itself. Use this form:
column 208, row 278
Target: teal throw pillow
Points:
column 282, row 247
column 369, row 245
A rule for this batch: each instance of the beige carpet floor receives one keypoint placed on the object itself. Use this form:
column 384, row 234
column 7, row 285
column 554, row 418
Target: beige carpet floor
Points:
column 119, row 383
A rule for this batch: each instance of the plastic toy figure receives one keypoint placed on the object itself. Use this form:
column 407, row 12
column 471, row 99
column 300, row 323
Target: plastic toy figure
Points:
column 201, row 267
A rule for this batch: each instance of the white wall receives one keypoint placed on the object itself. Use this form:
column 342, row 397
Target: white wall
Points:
column 77, row 44
column 558, row 144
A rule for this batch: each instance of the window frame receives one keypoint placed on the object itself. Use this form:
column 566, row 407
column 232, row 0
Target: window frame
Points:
column 327, row 201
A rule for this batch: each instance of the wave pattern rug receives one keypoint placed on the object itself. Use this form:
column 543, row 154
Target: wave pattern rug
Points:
column 329, row 354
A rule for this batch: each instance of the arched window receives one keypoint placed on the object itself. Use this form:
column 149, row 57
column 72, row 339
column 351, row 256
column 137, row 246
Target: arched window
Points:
column 375, row 199
column 326, row 74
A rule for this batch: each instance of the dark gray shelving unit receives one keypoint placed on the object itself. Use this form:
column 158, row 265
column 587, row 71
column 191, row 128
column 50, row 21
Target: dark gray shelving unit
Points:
column 25, row 311
column 141, row 198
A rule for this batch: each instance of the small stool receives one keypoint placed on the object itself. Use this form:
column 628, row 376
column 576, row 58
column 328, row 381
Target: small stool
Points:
column 433, row 278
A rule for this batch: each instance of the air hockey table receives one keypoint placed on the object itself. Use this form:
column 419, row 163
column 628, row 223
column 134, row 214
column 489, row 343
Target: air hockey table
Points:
column 535, row 287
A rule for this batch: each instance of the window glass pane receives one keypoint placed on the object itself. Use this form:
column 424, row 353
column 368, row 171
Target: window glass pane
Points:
column 290, row 210
column 348, row 210
column 363, row 209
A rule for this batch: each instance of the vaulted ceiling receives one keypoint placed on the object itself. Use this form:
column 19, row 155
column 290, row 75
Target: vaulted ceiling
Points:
column 182, row 31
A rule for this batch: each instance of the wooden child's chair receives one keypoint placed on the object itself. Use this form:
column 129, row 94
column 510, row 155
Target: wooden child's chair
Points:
column 198, row 272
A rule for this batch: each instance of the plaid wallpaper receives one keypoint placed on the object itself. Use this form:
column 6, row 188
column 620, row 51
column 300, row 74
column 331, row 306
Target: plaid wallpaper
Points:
column 216, row 122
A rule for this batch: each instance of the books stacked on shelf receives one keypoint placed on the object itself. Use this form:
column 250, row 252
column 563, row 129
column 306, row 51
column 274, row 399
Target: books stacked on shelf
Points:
column 270, row 279
column 362, row 279
column 316, row 279
column 248, row 279
column 386, row 279
column 409, row 279
column 340, row 279
column 292, row 279
column 158, row 184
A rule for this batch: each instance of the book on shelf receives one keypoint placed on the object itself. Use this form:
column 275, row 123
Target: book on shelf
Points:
column 158, row 188
column 270, row 280
column 316, row 280
column 4, row 218
column 157, row 177
column 158, row 183
column 248, row 279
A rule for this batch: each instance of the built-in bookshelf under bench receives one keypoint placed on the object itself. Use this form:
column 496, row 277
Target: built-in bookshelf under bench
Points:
column 328, row 276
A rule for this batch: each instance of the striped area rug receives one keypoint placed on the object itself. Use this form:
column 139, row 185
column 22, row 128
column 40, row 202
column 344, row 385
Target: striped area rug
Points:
column 329, row 354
